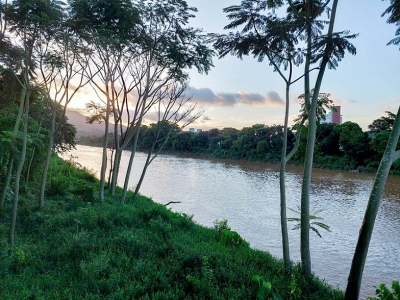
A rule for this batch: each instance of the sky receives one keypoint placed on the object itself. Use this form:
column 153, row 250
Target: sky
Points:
column 240, row 93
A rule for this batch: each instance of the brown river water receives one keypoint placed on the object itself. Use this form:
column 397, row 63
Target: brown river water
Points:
column 247, row 195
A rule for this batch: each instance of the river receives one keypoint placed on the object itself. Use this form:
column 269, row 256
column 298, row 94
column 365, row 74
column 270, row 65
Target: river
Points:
column 247, row 195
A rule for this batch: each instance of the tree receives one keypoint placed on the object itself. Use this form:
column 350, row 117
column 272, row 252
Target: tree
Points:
column 172, row 118
column 328, row 50
column 383, row 123
column 394, row 18
column 274, row 38
column 353, row 142
column 109, row 28
column 169, row 47
column 28, row 20
column 61, row 61
column 364, row 238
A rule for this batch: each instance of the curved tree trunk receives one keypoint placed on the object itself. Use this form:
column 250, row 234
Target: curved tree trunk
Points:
column 364, row 238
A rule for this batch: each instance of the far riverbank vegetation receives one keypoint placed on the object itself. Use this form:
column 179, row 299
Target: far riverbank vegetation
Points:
column 344, row 147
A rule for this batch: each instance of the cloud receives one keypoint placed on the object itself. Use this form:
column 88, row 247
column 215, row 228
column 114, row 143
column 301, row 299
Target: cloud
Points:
column 206, row 96
column 274, row 99
column 205, row 119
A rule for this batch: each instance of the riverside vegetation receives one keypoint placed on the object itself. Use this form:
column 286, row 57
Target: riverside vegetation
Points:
column 79, row 248
column 343, row 146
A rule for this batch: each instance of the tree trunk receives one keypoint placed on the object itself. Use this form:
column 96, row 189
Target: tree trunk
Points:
column 129, row 169
column 115, row 166
column 11, row 162
column 308, row 163
column 28, row 171
column 364, row 238
column 136, row 137
column 305, row 188
column 19, row 171
column 284, row 227
column 105, row 143
column 48, row 157
column 146, row 165
column 6, row 181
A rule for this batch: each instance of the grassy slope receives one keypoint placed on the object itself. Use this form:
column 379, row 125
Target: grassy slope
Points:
column 75, row 249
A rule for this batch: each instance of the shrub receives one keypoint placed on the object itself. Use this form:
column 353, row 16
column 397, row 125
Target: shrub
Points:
column 384, row 293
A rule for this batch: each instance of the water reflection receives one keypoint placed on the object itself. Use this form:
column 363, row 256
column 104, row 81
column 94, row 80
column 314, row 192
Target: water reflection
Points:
column 247, row 195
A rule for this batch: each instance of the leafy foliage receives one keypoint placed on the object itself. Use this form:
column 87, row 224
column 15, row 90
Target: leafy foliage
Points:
column 383, row 293
column 315, row 221
column 265, row 291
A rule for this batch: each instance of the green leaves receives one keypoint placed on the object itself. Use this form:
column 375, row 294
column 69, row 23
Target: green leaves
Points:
column 314, row 221
column 383, row 293
column 265, row 290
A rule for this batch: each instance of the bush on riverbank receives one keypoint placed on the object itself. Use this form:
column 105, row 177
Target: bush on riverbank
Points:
column 77, row 248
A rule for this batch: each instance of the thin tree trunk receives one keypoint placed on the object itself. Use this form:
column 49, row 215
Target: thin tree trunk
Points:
column 129, row 169
column 32, row 156
column 111, row 168
column 11, row 162
column 105, row 143
column 284, row 227
column 136, row 137
column 146, row 165
column 117, row 162
column 305, row 205
column 364, row 238
column 6, row 181
column 28, row 171
column 19, row 171
column 48, row 157
column 308, row 163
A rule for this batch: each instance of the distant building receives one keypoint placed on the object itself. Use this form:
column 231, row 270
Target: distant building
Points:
column 333, row 116
column 192, row 130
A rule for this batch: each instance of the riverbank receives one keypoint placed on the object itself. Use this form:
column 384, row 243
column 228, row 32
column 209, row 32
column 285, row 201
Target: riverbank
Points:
column 320, row 162
column 77, row 248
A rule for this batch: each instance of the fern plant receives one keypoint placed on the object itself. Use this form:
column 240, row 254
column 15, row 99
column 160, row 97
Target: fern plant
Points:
column 315, row 221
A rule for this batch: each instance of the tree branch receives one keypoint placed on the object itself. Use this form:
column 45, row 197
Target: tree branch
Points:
column 172, row 202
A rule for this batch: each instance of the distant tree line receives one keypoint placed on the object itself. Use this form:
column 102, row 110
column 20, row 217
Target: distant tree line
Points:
column 344, row 146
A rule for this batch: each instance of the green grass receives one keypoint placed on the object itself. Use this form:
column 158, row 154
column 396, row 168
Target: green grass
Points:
column 80, row 249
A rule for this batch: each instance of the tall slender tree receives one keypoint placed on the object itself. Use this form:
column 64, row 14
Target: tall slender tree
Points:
column 61, row 60
column 169, row 47
column 267, row 36
column 327, row 50
column 28, row 20
column 109, row 28
column 364, row 238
